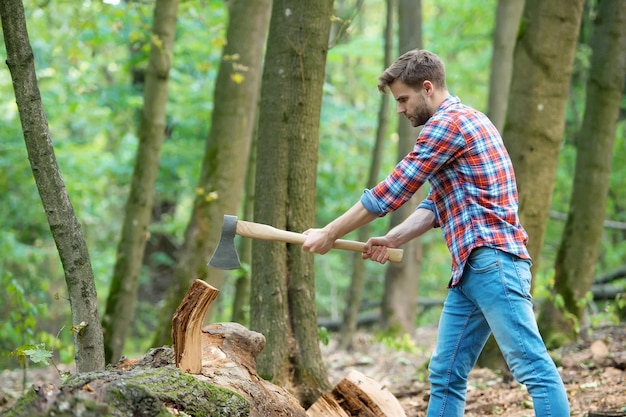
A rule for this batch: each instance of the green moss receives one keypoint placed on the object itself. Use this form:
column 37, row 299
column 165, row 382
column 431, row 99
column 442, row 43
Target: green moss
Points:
column 65, row 406
column 138, row 392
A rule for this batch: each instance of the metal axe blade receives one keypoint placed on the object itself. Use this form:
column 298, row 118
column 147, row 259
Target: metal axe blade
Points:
column 225, row 255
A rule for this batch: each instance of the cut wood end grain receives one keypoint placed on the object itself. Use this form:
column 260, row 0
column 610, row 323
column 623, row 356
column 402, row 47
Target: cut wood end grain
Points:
column 357, row 395
column 187, row 326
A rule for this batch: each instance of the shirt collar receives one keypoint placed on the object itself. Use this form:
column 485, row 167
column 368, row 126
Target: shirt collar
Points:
column 447, row 102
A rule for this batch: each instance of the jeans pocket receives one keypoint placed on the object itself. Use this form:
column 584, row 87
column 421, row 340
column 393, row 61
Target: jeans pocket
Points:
column 483, row 260
column 524, row 275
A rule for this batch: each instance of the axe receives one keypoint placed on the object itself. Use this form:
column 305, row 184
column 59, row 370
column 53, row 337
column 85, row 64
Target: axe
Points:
column 225, row 255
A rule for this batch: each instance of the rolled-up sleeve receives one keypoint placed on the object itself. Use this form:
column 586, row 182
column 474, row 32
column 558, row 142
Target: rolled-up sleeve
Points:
column 371, row 204
column 428, row 204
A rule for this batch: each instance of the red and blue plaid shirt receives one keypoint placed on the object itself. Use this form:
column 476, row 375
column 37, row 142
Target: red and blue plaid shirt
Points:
column 473, row 191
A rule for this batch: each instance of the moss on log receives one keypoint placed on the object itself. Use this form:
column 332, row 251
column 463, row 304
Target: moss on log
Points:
column 140, row 391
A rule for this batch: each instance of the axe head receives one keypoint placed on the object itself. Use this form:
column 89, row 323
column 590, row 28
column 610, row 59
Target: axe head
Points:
column 225, row 255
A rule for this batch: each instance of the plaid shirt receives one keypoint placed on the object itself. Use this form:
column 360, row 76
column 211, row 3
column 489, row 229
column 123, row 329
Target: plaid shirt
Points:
column 473, row 192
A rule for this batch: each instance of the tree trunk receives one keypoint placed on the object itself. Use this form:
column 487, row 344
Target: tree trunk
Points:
column 221, row 181
column 283, row 289
column 508, row 15
column 125, row 280
column 241, row 300
column 357, row 283
column 64, row 225
column 578, row 252
column 399, row 306
column 533, row 131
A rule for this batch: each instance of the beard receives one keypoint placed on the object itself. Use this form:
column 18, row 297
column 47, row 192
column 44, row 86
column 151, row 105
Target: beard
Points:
column 419, row 116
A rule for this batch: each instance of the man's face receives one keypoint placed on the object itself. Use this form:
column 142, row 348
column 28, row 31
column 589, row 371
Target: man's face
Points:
column 411, row 103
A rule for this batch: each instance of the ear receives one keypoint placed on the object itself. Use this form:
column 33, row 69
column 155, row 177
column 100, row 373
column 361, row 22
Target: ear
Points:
column 428, row 87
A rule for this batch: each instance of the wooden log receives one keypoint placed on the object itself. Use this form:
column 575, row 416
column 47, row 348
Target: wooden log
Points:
column 326, row 405
column 187, row 326
column 357, row 395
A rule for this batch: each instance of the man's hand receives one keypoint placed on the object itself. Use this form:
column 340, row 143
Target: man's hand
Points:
column 376, row 249
column 317, row 241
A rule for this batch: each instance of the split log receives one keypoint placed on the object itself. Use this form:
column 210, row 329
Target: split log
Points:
column 187, row 325
column 357, row 395
column 224, row 355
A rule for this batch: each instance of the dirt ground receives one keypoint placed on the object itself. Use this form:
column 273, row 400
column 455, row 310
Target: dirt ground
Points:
column 594, row 373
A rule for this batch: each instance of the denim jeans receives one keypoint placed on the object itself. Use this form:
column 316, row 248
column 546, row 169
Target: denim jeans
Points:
column 493, row 296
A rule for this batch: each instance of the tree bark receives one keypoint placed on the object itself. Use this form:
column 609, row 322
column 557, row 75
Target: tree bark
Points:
column 241, row 300
column 125, row 280
column 283, row 288
column 578, row 252
column 357, row 282
column 227, row 148
column 399, row 305
column 533, row 131
column 64, row 225
column 508, row 15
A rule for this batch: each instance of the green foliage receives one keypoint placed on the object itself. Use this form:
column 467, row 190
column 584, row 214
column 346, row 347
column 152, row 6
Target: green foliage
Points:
column 403, row 343
column 323, row 335
column 36, row 353
column 88, row 55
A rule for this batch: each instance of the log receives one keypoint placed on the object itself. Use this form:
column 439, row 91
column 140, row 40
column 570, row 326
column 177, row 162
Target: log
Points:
column 357, row 395
column 326, row 405
column 229, row 353
column 187, row 326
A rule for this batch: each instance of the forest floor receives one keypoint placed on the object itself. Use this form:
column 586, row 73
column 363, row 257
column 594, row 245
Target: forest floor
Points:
column 594, row 372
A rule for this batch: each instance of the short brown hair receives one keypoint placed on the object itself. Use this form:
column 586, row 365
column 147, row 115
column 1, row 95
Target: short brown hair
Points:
column 413, row 68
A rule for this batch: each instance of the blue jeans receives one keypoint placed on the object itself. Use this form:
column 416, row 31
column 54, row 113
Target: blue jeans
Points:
column 493, row 296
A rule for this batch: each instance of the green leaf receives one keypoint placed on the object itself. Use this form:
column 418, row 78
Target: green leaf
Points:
column 39, row 354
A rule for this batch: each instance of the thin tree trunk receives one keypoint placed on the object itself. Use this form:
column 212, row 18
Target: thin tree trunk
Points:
column 241, row 300
column 578, row 252
column 283, row 288
column 508, row 16
column 399, row 305
column 125, row 281
column 64, row 225
column 533, row 131
column 355, row 293
column 227, row 148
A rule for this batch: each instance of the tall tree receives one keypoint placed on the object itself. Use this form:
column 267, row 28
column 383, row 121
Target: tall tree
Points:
column 535, row 120
column 283, row 288
column 64, row 225
column 241, row 299
column 399, row 306
column 226, row 152
column 508, row 15
column 357, row 283
column 578, row 252
column 125, row 281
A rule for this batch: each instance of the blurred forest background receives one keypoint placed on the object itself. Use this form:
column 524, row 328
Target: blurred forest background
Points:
column 87, row 55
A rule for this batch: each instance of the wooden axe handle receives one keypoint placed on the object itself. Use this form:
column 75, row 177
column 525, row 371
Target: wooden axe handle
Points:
column 266, row 232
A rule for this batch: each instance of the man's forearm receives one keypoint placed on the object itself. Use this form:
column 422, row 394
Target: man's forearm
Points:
column 352, row 219
column 418, row 223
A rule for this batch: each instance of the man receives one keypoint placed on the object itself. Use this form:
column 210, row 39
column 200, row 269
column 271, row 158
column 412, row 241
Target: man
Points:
column 473, row 199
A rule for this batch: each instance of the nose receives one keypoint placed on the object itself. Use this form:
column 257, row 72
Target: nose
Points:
column 401, row 109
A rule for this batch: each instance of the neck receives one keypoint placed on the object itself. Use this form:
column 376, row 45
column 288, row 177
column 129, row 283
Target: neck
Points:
column 437, row 98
